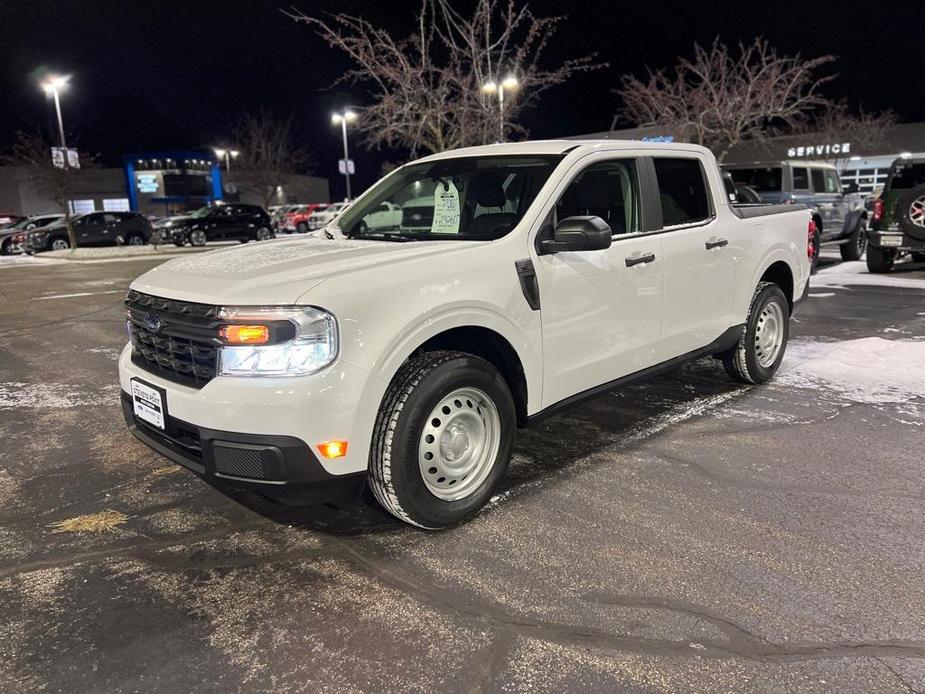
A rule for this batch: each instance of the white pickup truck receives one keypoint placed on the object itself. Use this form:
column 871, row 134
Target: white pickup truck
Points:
column 548, row 272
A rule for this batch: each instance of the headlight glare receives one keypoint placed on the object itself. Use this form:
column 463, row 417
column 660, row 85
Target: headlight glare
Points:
column 314, row 346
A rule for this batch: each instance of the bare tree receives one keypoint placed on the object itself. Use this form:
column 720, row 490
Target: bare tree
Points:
column 426, row 89
column 267, row 153
column 837, row 123
column 32, row 152
column 721, row 97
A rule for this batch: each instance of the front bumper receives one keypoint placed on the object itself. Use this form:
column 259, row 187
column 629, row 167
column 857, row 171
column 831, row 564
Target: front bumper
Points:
column 338, row 403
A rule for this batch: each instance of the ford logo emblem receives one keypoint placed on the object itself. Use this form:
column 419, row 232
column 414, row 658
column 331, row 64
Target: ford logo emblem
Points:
column 152, row 322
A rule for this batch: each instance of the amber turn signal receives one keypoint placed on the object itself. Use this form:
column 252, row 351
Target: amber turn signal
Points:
column 333, row 449
column 245, row 334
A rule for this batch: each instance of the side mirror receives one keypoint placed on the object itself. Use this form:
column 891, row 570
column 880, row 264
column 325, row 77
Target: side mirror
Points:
column 579, row 234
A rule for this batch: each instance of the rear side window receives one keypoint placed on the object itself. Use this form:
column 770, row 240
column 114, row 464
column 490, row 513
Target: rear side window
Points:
column 907, row 176
column 682, row 191
column 800, row 178
column 766, row 179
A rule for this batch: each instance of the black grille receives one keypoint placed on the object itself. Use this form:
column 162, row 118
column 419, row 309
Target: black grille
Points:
column 238, row 461
column 176, row 340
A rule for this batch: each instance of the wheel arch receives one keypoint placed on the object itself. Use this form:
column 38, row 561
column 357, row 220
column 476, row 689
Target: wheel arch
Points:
column 781, row 274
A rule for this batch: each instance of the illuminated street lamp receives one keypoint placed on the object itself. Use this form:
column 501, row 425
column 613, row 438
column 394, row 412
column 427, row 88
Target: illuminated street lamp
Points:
column 509, row 84
column 227, row 155
column 341, row 118
column 53, row 84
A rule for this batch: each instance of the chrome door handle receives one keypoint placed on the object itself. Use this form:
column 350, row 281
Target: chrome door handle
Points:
column 719, row 243
column 639, row 259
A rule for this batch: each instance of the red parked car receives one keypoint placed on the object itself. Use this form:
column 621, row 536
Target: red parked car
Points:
column 9, row 219
column 297, row 219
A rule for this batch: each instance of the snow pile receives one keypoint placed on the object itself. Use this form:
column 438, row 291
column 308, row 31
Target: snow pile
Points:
column 45, row 396
column 868, row 370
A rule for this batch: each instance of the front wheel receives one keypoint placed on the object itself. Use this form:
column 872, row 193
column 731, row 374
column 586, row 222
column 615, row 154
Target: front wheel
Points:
column 198, row 238
column 880, row 260
column 7, row 247
column 761, row 347
column 854, row 248
column 263, row 234
column 135, row 240
column 60, row 244
column 443, row 439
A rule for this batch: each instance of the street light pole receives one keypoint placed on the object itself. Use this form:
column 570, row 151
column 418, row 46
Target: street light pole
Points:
column 509, row 83
column 341, row 118
column 52, row 85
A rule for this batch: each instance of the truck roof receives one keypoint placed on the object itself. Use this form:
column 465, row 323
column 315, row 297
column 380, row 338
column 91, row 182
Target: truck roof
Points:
column 815, row 163
column 532, row 147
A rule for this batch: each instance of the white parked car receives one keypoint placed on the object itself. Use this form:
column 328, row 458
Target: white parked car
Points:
column 408, row 357
column 386, row 215
column 322, row 218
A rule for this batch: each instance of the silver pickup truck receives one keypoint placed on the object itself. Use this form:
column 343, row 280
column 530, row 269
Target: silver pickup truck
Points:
column 838, row 212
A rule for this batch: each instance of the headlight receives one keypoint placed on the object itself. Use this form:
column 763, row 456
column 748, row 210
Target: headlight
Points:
column 310, row 343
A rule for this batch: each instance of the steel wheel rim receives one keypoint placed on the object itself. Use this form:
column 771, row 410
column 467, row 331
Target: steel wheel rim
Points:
column 769, row 334
column 459, row 444
column 59, row 245
column 917, row 211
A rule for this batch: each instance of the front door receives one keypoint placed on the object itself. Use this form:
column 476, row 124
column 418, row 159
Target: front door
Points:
column 829, row 201
column 699, row 254
column 600, row 310
column 89, row 229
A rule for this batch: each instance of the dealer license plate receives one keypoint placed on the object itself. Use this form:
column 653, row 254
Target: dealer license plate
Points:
column 891, row 240
column 148, row 403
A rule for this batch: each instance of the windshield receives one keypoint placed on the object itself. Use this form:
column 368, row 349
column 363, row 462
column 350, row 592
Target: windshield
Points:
column 201, row 212
column 466, row 198
column 765, row 179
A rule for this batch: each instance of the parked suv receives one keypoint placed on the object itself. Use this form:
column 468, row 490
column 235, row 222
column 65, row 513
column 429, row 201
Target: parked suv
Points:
column 898, row 217
column 838, row 213
column 10, row 236
column 550, row 272
column 223, row 222
column 92, row 229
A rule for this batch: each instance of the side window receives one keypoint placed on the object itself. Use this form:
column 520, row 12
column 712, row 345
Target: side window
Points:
column 609, row 190
column 818, row 176
column 682, row 191
column 800, row 178
column 832, row 184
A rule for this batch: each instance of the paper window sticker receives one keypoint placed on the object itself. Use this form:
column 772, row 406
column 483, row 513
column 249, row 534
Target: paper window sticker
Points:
column 446, row 209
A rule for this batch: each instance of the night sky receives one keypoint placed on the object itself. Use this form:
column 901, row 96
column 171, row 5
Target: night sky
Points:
column 170, row 75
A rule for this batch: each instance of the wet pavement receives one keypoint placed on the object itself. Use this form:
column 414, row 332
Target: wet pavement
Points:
column 685, row 534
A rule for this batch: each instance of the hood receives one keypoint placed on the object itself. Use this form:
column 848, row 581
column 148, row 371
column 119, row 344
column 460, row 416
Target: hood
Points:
column 277, row 272
column 178, row 219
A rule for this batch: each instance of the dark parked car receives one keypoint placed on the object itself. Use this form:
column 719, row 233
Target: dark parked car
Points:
column 838, row 213
column 898, row 217
column 222, row 222
column 9, row 235
column 92, row 229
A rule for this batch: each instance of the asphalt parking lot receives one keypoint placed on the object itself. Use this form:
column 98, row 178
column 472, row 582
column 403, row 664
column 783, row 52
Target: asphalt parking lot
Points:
column 685, row 534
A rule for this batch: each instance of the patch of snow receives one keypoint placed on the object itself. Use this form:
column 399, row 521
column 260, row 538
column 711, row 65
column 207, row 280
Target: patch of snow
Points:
column 76, row 294
column 21, row 396
column 870, row 370
column 855, row 273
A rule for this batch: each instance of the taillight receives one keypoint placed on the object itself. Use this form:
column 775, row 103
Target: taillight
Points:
column 811, row 240
column 877, row 211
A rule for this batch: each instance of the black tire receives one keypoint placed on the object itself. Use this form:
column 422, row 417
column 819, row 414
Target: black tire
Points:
column 854, row 248
column 134, row 239
column 198, row 237
column 395, row 476
column 880, row 260
column 7, row 247
column 60, row 241
column 904, row 210
column 179, row 242
column 918, row 257
column 301, row 227
column 741, row 362
column 263, row 234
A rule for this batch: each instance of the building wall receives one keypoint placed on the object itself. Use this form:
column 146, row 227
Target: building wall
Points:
column 103, row 188
column 296, row 189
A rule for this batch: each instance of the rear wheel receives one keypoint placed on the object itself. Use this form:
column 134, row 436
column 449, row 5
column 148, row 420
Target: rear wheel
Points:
column 761, row 347
column 135, row 240
column 7, row 247
column 263, row 234
column 880, row 260
column 443, row 439
column 198, row 237
column 301, row 227
column 854, row 248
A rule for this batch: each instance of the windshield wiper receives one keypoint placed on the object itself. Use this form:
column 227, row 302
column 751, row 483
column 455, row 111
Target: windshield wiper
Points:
column 381, row 235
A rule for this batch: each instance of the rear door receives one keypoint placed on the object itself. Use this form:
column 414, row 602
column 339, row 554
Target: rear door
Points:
column 699, row 254
column 600, row 310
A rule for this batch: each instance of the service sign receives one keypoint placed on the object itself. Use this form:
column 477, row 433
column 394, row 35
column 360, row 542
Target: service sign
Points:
column 836, row 149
